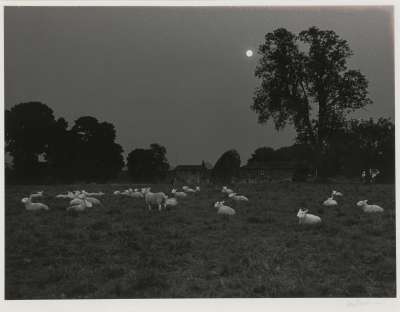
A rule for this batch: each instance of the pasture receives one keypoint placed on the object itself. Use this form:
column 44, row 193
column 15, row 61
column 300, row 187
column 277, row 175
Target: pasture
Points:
column 122, row 250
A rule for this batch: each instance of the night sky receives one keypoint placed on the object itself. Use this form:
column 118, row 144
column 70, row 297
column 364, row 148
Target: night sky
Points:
column 176, row 76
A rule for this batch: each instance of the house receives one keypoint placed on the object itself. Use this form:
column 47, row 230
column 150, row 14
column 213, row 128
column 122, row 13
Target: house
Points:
column 190, row 174
column 270, row 171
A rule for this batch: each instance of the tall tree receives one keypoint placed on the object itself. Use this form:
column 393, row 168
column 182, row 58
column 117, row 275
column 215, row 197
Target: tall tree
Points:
column 28, row 130
column 262, row 155
column 148, row 165
column 370, row 144
column 99, row 157
column 226, row 167
column 305, row 82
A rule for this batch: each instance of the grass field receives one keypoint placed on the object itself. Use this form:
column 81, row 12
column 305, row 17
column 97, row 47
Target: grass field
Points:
column 122, row 250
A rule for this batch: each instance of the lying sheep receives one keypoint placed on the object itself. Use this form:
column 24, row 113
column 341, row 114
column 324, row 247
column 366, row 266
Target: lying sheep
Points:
column 225, row 210
column 136, row 193
column 93, row 194
column 171, row 202
column 307, row 218
column 93, row 200
column 37, row 194
column 236, row 197
column 82, row 205
column 330, row 202
column 178, row 194
column 336, row 193
column 154, row 199
column 33, row 206
column 226, row 190
column 68, row 195
column 369, row 208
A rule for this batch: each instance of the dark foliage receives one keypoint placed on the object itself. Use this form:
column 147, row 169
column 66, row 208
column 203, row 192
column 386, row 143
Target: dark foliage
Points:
column 305, row 82
column 226, row 168
column 148, row 165
column 45, row 150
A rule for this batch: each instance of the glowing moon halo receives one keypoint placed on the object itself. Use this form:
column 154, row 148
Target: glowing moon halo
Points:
column 249, row 53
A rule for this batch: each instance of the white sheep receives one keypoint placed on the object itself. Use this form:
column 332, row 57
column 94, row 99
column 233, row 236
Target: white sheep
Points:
column 330, row 202
column 82, row 205
column 197, row 189
column 136, row 193
column 336, row 193
column 369, row 208
column 307, row 218
column 190, row 190
column 33, row 206
column 185, row 187
column 68, row 195
column 178, row 194
column 93, row 194
column 117, row 193
column 37, row 194
column 226, row 190
column 127, row 192
column 154, row 199
column 171, row 202
column 93, row 200
column 223, row 209
column 236, row 197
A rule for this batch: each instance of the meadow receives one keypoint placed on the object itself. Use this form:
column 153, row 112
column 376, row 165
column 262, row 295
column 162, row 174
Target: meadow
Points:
column 122, row 250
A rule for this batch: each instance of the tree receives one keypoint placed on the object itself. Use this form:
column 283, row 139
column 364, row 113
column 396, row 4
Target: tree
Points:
column 370, row 144
column 62, row 153
column 305, row 82
column 148, row 165
column 98, row 156
column 28, row 130
column 226, row 167
column 262, row 155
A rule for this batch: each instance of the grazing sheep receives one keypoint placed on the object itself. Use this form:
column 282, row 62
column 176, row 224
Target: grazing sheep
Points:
column 185, row 187
column 236, row 197
column 178, row 194
column 307, row 218
column 154, row 199
column 117, row 193
column 226, row 190
column 190, row 190
column 197, row 189
column 225, row 210
column 369, row 208
column 33, row 206
column 330, row 202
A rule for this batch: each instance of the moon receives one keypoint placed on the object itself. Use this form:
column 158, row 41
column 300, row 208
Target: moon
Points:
column 249, row 53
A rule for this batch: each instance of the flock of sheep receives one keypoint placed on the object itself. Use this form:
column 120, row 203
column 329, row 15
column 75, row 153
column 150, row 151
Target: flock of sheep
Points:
column 80, row 200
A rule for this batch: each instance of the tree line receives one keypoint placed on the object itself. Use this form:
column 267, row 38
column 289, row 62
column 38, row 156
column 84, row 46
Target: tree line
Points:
column 46, row 149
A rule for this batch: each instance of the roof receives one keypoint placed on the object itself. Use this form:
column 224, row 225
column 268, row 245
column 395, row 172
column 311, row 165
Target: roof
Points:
column 270, row 165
